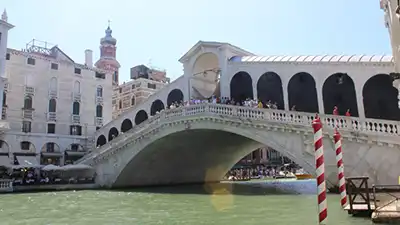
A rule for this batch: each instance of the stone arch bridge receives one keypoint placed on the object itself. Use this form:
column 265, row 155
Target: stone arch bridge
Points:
column 212, row 137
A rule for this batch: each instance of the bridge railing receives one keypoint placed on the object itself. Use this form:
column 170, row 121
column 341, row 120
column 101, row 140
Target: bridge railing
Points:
column 299, row 119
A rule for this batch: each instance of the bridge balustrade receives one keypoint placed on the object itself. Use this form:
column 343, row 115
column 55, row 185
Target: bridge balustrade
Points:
column 299, row 120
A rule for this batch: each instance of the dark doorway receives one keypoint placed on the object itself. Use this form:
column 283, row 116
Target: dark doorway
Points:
column 175, row 96
column 156, row 106
column 101, row 140
column 126, row 125
column 338, row 90
column 381, row 98
column 302, row 93
column 241, row 87
column 140, row 117
column 113, row 133
column 269, row 88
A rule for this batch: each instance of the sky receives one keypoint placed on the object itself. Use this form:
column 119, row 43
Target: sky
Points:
column 159, row 32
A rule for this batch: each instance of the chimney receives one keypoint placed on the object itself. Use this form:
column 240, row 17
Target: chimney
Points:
column 89, row 58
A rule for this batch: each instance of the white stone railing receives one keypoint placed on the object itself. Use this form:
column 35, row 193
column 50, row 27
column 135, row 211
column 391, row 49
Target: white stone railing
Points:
column 298, row 120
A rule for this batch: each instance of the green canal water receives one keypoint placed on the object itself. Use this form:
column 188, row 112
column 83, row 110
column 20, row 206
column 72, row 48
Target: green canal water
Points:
column 251, row 203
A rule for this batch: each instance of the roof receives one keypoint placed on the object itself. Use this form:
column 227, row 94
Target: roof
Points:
column 199, row 44
column 316, row 58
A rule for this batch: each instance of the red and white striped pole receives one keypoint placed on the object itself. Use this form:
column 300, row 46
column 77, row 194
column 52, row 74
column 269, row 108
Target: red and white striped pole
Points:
column 320, row 171
column 339, row 164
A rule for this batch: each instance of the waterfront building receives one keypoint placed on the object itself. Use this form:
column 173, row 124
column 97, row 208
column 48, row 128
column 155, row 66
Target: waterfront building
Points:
column 144, row 82
column 53, row 104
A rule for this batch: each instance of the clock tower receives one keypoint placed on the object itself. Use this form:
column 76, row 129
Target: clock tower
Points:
column 108, row 50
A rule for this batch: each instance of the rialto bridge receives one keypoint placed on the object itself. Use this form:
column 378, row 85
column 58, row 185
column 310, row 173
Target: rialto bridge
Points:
column 201, row 143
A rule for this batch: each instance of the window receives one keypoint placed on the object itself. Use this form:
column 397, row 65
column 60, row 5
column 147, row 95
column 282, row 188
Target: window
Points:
column 54, row 66
column 120, row 104
column 31, row 61
column 115, row 77
column 52, row 105
column 75, row 108
column 152, row 86
column 28, row 102
column 133, row 86
column 51, row 128
column 75, row 130
column 97, row 128
column 4, row 99
column 133, row 100
column 100, row 75
column 8, row 56
column 99, row 92
column 99, row 111
column 77, row 71
column 26, row 126
column 53, row 84
column 120, row 90
column 74, row 147
column 77, row 87
column 25, row 145
column 50, row 147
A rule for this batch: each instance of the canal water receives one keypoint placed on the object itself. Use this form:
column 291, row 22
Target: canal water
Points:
column 247, row 203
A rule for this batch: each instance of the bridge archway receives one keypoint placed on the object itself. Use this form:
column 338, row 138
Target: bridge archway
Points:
column 380, row 98
column 112, row 133
column 269, row 88
column 205, row 73
column 101, row 140
column 140, row 117
column 302, row 93
column 156, row 106
column 338, row 90
column 241, row 87
column 126, row 125
column 175, row 96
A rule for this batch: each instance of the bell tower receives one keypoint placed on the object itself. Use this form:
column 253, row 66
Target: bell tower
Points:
column 108, row 50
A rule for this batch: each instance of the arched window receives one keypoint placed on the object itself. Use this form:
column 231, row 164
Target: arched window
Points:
column 75, row 108
column 133, row 100
column 53, row 84
column 99, row 111
column 99, row 91
column 28, row 102
column 52, row 105
column 77, row 87
column 120, row 104
column 4, row 99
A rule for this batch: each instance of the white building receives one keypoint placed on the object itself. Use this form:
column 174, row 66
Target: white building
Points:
column 145, row 82
column 53, row 104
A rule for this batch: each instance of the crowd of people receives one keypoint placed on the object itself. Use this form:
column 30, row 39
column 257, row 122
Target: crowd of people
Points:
column 261, row 172
column 23, row 176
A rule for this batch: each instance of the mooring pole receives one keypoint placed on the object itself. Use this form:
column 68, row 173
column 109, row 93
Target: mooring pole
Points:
column 339, row 163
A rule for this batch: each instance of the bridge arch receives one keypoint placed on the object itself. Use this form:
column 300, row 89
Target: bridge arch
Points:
column 112, row 133
column 156, row 106
column 338, row 90
column 140, row 117
column 176, row 95
column 380, row 98
column 241, row 87
column 126, row 125
column 302, row 93
column 206, row 164
column 269, row 88
column 101, row 140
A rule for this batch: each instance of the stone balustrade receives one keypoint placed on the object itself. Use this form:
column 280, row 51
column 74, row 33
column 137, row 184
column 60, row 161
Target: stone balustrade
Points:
column 296, row 120
column 6, row 185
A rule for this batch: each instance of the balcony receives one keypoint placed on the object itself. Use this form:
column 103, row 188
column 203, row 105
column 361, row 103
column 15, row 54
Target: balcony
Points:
column 76, row 97
column 29, row 90
column 53, row 94
column 27, row 114
column 4, row 112
column 99, row 100
column 99, row 121
column 52, row 116
column 76, row 119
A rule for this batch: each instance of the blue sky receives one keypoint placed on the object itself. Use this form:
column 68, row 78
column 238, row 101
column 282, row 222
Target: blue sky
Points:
column 163, row 30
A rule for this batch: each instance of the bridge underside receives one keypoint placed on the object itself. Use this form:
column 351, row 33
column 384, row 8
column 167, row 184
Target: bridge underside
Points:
column 190, row 156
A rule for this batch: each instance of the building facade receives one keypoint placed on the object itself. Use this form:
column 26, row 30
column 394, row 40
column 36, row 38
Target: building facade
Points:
column 53, row 105
column 145, row 82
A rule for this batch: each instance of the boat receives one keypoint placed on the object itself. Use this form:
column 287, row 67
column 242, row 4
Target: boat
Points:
column 301, row 175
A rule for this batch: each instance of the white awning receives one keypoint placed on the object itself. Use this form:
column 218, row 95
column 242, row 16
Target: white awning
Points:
column 5, row 161
column 27, row 161
column 52, row 154
column 74, row 153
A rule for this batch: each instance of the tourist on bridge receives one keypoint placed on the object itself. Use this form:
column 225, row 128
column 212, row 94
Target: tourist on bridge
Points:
column 348, row 112
column 335, row 111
